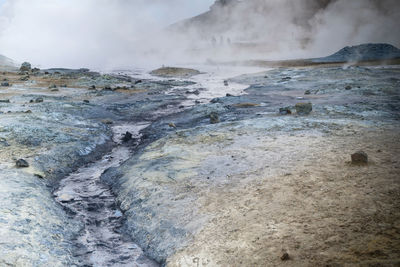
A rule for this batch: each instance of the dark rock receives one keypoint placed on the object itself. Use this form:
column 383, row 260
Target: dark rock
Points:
column 348, row 87
column 107, row 88
column 229, row 95
column 226, row 83
column 359, row 157
column 127, row 137
column 307, row 92
column 4, row 100
column 195, row 92
column 39, row 100
column 138, row 81
column 285, row 256
column 86, row 101
column 286, row 79
column 197, row 102
column 181, row 107
column 54, row 90
column 26, row 66
column 53, row 86
column 35, row 70
column 24, row 78
column 216, row 100
column 21, row 163
column 303, row 108
column 214, row 118
column 92, row 87
column 107, row 121
column 285, row 111
column 63, row 85
column 5, row 84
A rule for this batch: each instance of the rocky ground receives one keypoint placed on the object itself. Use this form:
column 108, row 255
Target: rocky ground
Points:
column 253, row 179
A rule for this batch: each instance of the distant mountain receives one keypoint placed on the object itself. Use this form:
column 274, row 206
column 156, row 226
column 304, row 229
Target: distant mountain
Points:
column 6, row 62
column 363, row 52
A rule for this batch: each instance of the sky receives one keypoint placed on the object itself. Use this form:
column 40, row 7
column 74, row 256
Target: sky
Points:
column 87, row 33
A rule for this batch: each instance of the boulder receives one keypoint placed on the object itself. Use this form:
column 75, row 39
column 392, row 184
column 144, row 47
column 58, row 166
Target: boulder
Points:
column 21, row 163
column 285, row 111
column 26, row 66
column 303, row 108
column 359, row 157
column 214, row 118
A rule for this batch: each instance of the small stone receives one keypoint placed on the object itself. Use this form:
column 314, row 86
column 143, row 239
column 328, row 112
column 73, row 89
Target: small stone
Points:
column 348, row 87
column 359, row 157
column 127, row 137
column 107, row 88
column 303, row 108
column 4, row 100
column 215, row 100
column 92, row 87
column 172, row 125
column 285, row 111
column 138, row 81
column 226, row 83
column 63, row 85
column 54, row 90
column 214, row 118
column 53, row 86
column 86, row 101
column 197, row 102
column 285, row 256
column 5, row 84
column 65, row 198
column 229, row 95
column 286, row 79
column 39, row 100
column 307, row 92
column 21, row 163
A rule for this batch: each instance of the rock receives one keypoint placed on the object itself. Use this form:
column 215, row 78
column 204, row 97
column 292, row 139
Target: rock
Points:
column 138, row 81
column 54, row 90
column 39, row 100
column 65, row 198
column 127, row 137
column 172, row 125
column 216, row 100
column 53, row 86
column 21, row 163
column 307, row 92
column 229, row 95
column 303, row 108
column 285, row 256
column 359, row 157
column 285, row 111
column 86, row 101
column 286, row 79
column 169, row 72
column 26, row 66
column 35, row 70
column 4, row 100
column 107, row 88
column 214, row 118
column 24, row 78
column 5, row 84
column 92, row 87
column 226, row 83
column 348, row 87
column 195, row 92
column 107, row 121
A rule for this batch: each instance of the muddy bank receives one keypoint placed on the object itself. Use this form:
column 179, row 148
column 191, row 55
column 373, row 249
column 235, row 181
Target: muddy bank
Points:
column 254, row 184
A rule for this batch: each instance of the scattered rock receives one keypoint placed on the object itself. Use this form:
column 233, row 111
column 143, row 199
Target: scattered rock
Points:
column 39, row 100
column 4, row 100
column 214, row 118
column 26, row 66
column 63, row 85
column 307, row 92
column 86, row 101
column 226, row 83
column 54, row 90
column 21, row 163
column 229, row 95
column 107, row 88
column 127, row 137
column 359, row 157
column 285, row 111
column 303, row 108
column 216, row 100
column 5, row 84
column 348, row 87
column 285, row 256
column 92, row 87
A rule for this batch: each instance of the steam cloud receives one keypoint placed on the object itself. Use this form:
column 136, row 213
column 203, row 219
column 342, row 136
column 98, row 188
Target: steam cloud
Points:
column 106, row 33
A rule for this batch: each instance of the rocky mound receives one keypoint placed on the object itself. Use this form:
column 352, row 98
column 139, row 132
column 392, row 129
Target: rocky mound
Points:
column 364, row 52
column 170, row 72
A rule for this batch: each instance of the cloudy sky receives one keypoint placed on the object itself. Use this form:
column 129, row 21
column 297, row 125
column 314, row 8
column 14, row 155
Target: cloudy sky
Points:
column 72, row 33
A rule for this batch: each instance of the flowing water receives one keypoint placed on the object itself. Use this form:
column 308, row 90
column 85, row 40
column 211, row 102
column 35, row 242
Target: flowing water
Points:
column 100, row 243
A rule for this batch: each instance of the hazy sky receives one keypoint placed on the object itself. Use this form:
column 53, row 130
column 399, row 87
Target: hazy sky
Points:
column 72, row 33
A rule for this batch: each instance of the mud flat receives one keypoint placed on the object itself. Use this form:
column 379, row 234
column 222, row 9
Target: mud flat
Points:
column 258, row 184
